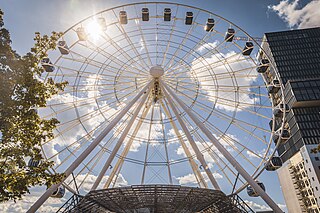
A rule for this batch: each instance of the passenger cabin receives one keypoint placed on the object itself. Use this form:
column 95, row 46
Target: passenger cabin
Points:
column 209, row 24
column 189, row 18
column 284, row 136
column 63, row 47
column 247, row 48
column 167, row 14
column 102, row 23
column 230, row 35
column 145, row 14
column 278, row 110
column 263, row 66
column 123, row 17
column 273, row 87
column 82, row 35
column 59, row 192
column 274, row 164
column 34, row 163
column 47, row 65
column 252, row 193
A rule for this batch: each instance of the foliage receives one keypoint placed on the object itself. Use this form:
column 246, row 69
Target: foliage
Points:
column 21, row 129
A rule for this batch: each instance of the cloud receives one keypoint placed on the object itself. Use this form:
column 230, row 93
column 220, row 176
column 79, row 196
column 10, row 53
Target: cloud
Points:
column 208, row 46
column 223, row 66
column 259, row 207
column 86, row 181
column 21, row 206
column 190, row 179
column 70, row 128
column 226, row 140
column 297, row 16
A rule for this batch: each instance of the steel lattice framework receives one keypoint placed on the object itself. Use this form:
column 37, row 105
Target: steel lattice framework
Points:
column 151, row 96
column 155, row 198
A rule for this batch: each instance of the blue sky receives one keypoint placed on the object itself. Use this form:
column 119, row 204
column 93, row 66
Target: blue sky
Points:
column 23, row 18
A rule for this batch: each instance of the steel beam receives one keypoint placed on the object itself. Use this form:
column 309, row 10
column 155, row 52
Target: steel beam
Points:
column 120, row 141
column 193, row 144
column 87, row 151
column 193, row 164
column 223, row 151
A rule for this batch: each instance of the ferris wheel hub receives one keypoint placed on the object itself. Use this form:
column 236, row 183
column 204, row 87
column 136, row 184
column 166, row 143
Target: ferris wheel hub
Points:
column 156, row 71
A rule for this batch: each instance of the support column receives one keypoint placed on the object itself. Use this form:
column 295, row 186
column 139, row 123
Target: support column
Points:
column 120, row 141
column 193, row 164
column 127, row 148
column 193, row 144
column 224, row 151
column 87, row 151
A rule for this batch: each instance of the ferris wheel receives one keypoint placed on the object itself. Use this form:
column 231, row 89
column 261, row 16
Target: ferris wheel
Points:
column 160, row 93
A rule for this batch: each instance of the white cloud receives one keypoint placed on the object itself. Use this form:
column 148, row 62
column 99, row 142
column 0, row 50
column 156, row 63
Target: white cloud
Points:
column 208, row 46
column 259, row 207
column 190, row 179
column 86, row 181
column 71, row 127
column 223, row 65
column 297, row 16
column 21, row 206
column 225, row 140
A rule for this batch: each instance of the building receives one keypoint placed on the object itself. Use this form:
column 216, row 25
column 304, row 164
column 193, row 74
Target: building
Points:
column 295, row 56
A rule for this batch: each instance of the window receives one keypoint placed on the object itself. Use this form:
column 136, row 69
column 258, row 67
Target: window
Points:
column 317, row 158
column 312, row 178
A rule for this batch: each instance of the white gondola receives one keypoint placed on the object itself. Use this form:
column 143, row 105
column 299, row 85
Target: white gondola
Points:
column 63, row 47
column 280, row 109
column 145, row 14
column 274, row 87
column 59, row 192
column 284, row 136
column 247, row 48
column 47, row 65
column 252, row 193
column 82, row 34
column 274, row 164
column 209, row 25
column 123, row 17
column 263, row 66
column 167, row 14
column 189, row 18
column 102, row 23
column 229, row 35
column 34, row 163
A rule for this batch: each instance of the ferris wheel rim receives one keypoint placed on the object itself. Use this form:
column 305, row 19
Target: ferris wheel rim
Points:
column 257, row 171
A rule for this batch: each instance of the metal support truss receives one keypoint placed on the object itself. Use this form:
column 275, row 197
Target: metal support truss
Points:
column 120, row 141
column 87, row 151
column 168, row 92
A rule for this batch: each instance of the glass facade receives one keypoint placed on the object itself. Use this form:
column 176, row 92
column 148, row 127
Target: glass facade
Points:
column 296, row 53
column 296, row 57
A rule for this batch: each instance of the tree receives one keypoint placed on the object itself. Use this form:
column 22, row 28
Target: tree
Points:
column 22, row 130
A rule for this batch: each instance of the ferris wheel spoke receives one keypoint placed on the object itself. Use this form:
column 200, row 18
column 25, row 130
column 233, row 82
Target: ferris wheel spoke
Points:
column 170, row 38
column 85, row 101
column 126, row 150
column 103, row 53
column 147, row 147
column 165, row 146
column 216, row 158
column 96, row 64
column 120, row 140
column 227, row 102
column 227, row 139
column 233, row 121
column 200, row 41
column 134, row 48
column 109, row 56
